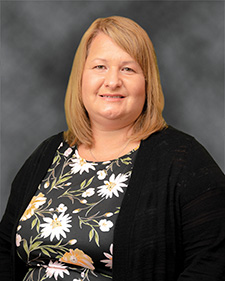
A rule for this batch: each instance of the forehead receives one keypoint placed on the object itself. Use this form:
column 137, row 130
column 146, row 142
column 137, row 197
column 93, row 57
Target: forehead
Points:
column 102, row 46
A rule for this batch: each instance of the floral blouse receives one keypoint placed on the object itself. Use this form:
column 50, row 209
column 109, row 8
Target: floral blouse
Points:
column 66, row 232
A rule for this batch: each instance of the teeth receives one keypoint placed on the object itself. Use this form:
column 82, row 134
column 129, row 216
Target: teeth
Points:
column 112, row 97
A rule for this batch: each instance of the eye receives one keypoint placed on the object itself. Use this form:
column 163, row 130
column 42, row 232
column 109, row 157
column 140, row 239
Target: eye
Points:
column 127, row 69
column 100, row 67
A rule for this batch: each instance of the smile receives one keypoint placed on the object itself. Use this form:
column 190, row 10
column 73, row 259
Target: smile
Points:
column 113, row 97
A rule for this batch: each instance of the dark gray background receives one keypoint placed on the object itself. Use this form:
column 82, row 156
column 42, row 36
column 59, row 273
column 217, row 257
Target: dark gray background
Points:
column 38, row 42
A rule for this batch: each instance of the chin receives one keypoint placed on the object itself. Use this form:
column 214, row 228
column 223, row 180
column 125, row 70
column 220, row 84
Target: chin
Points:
column 111, row 114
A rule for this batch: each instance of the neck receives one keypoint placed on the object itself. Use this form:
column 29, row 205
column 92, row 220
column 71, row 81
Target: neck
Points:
column 112, row 138
column 108, row 145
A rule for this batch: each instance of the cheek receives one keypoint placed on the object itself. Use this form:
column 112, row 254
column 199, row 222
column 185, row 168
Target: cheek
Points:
column 84, row 89
column 90, row 87
column 140, row 96
column 84, row 84
column 140, row 91
column 91, row 83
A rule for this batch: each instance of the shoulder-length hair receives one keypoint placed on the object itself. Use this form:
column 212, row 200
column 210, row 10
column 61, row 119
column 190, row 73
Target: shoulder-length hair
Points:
column 134, row 40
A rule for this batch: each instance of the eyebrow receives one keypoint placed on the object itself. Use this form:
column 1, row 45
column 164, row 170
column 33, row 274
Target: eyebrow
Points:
column 123, row 62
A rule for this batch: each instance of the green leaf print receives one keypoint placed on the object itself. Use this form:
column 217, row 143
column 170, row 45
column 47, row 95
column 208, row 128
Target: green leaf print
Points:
column 97, row 238
column 57, row 157
column 35, row 245
column 45, row 252
column 33, row 223
column 61, row 180
column 91, row 234
column 126, row 161
column 25, row 246
column 53, row 184
column 51, row 250
column 38, row 226
column 89, row 182
column 84, row 184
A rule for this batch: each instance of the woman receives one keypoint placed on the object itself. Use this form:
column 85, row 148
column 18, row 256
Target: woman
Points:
column 118, row 183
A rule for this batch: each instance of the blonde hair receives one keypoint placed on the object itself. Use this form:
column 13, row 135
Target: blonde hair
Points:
column 134, row 40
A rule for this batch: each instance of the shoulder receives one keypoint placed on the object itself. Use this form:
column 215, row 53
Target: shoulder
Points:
column 188, row 164
column 177, row 152
column 46, row 148
column 42, row 154
column 184, row 144
column 170, row 142
column 177, row 162
column 170, row 137
column 52, row 141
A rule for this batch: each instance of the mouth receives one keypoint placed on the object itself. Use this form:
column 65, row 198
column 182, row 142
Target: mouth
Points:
column 112, row 96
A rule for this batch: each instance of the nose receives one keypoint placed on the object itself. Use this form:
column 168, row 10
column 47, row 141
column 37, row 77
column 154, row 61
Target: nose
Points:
column 112, row 79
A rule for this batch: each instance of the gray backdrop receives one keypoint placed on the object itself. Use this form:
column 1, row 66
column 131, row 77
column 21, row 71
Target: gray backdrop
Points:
column 38, row 42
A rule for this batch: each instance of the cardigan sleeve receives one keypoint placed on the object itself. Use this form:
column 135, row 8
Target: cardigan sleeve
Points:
column 202, row 204
column 23, row 187
column 171, row 225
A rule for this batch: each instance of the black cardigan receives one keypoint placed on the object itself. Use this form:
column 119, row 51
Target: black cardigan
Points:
column 171, row 226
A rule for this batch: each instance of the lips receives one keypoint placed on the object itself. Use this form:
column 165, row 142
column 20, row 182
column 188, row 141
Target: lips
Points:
column 112, row 96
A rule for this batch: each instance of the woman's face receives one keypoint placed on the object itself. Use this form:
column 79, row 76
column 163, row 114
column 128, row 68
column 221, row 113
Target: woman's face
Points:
column 113, row 85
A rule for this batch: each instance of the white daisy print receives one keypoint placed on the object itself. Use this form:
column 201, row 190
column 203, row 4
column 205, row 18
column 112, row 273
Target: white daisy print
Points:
column 102, row 174
column 112, row 186
column 46, row 185
column 19, row 227
column 56, row 226
column 105, row 225
column 88, row 193
column 56, row 269
column 61, row 144
column 73, row 241
column 108, row 214
column 61, row 208
column 80, row 165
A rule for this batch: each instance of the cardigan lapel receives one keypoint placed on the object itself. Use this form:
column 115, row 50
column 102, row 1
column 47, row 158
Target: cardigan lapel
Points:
column 123, row 227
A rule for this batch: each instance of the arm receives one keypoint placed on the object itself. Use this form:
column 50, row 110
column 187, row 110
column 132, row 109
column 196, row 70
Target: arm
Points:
column 23, row 188
column 202, row 203
column 9, row 222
